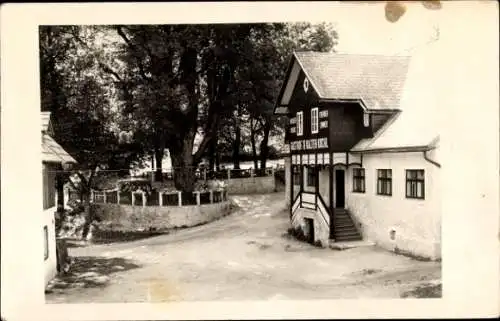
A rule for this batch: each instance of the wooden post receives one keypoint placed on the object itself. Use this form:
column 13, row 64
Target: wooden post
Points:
column 205, row 174
column 228, row 174
column 133, row 198
column 104, row 196
column 118, row 196
column 143, row 199
column 92, row 198
column 160, row 199
column 197, row 198
column 211, row 196
column 330, row 191
column 291, row 184
column 179, row 193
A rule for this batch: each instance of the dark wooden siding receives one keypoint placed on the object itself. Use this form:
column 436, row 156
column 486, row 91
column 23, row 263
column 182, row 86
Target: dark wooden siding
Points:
column 302, row 101
column 49, row 185
column 345, row 120
column 378, row 120
column 346, row 126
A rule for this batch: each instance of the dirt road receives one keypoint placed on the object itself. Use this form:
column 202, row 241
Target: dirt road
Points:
column 244, row 256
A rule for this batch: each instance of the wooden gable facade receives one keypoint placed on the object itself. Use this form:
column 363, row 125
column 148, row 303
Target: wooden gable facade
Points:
column 351, row 107
column 340, row 124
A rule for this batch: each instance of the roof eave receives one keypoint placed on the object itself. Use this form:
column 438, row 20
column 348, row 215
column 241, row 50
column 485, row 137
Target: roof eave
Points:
column 403, row 149
column 277, row 103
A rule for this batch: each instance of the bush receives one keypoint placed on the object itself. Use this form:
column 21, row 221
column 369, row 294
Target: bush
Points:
column 74, row 207
column 297, row 233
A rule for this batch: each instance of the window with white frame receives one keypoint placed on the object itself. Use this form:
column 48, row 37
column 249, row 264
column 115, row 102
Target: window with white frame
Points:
column 384, row 182
column 358, row 180
column 314, row 120
column 415, row 183
column 300, row 123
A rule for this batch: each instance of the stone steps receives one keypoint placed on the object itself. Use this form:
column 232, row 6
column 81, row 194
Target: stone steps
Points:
column 345, row 229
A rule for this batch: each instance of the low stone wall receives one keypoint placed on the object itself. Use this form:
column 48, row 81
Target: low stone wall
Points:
column 251, row 185
column 129, row 218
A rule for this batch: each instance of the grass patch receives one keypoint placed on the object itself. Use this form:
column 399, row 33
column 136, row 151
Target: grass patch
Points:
column 425, row 291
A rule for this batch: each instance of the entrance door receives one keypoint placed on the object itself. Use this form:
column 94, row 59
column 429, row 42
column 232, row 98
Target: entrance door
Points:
column 339, row 188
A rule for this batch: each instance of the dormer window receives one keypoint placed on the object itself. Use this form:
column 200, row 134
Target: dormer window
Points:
column 300, row 123
column 314, row 120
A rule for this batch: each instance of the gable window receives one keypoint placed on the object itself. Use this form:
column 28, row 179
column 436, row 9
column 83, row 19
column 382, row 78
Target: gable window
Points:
column 300, row 123
column 46, row 242
column 358, row 180
column 415, row 183
column 384, row 182
column 314, row 120
column 311, row 176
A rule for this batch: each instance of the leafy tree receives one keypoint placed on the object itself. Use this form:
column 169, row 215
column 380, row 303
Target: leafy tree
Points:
column 260, row 77
column 81, row 107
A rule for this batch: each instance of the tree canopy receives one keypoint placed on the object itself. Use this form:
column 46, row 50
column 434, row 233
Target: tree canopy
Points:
column 120, row 93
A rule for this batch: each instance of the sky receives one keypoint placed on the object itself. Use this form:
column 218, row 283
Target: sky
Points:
column 364, row 29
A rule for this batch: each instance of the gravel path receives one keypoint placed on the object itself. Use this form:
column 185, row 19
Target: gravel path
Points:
column 244, row 256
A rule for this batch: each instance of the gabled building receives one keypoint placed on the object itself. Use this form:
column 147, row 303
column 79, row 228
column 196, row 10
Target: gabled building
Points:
column 363, row 145
column 53, row 158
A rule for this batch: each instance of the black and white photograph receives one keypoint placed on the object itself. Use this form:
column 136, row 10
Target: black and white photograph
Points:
column 246, row 160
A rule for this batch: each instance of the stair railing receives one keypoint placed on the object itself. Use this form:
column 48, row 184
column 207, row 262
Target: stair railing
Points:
column 323, row 209
column 295, row 206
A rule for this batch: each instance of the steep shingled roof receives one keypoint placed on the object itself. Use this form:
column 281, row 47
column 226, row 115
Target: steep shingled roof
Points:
column 375, row 79
column 417, row 125
column 406, row 85
column 51, row 151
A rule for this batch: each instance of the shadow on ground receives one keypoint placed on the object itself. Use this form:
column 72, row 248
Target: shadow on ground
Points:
column 90, row 272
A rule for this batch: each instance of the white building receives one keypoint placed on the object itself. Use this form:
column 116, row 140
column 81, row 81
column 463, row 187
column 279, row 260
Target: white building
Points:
column 53, row 156
column 364, row 150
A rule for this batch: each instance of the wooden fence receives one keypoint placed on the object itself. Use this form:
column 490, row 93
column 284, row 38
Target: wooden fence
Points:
column 141, row 198
column 224, row 174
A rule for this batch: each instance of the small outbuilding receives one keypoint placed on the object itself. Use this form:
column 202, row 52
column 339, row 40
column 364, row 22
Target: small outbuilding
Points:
column 54, row 158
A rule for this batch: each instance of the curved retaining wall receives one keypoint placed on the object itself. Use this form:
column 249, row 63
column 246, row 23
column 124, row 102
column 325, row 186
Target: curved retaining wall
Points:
column 129, row 218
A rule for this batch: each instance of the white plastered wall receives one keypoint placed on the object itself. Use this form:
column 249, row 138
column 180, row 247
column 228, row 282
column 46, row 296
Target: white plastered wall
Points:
column 50, row 264
column 417, row 223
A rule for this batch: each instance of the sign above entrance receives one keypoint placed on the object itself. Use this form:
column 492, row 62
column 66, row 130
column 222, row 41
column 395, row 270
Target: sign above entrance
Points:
column 309, row 144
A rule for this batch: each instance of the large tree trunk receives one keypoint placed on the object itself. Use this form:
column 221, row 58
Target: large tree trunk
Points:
column 60, row 192
column 254, row 147
column 237, row 142
column 184, row 165
column 87, row 213
column 264, row 148
column 159, row 153
column 86, row 186
column 59, row 217
column 217, row 159
column 211, row 155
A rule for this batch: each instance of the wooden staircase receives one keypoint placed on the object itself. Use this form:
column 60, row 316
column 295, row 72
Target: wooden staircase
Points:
column 345, row 229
